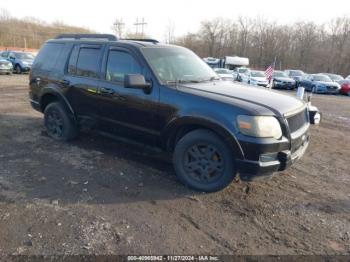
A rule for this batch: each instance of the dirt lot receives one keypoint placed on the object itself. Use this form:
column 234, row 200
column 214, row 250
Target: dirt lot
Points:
column 97, row 196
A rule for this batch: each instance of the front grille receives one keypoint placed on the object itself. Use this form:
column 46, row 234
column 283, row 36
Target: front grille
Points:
column 298, row 120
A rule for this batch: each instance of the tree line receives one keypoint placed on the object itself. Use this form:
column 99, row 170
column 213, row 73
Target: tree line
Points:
column 303, row 45
column 30, row 32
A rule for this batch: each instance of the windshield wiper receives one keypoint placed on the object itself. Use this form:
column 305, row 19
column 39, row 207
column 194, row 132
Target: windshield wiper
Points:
column 181, row 81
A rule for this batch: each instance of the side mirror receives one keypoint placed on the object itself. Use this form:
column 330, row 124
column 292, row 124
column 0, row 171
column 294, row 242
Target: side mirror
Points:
column 136, row 81
column 12, row 57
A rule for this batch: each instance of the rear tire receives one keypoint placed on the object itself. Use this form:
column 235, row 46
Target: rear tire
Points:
column 58, row 123
column 203, row 161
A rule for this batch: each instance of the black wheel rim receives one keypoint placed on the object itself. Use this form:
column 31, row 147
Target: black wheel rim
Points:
column 203, row 163
column 54, row 123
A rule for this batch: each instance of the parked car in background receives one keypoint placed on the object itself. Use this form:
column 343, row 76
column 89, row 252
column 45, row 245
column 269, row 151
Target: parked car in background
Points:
column 319, row 83
column 281, row 80
column 257, row 78
column 21, row 61
column 344, row 87
column 5, row 66
column 334, row 77
column 224, row 74
column 240, row 74
column 297, row 75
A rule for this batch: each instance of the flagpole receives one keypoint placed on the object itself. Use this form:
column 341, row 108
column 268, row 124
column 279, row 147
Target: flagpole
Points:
column 273, row 69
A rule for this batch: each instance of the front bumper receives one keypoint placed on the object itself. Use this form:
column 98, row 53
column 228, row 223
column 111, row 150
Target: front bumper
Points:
column 5, row 71
column 270, row 158
column 284, row 85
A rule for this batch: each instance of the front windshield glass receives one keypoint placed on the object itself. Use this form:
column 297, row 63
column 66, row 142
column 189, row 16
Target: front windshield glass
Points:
column 243, row 70
column 24, row 56
column 335, row 77
column 172, row 64
column 295, row 73
column 279, row 74
column 257, row 74
column 322, row 78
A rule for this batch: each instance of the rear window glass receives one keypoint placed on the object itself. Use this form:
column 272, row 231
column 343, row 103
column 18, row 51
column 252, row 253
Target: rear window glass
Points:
column 88, row 62
column 48, row 55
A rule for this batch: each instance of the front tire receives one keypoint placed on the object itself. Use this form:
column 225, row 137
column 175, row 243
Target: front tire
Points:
column 203, row 161
column 58, row 123
column 18, row 70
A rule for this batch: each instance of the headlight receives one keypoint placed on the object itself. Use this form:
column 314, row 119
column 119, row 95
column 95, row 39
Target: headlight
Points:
column 259, row 126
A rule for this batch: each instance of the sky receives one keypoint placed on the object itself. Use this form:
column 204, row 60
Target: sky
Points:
column 185, row 15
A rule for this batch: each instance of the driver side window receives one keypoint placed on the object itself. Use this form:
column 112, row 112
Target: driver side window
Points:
column 120, row 63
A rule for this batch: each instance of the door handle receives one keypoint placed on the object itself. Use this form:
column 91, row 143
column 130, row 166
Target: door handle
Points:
column 106, row 91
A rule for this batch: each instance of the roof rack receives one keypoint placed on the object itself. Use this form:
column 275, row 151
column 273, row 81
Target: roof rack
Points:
column 108, row 37
column 142, row 40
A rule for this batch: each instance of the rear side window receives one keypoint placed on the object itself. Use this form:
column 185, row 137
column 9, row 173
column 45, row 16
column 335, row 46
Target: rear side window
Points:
column 119, row 64
column 48, row 56
column 88, row 62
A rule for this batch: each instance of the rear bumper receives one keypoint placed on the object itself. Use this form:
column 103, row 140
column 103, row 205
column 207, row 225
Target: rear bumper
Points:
column 35, row 105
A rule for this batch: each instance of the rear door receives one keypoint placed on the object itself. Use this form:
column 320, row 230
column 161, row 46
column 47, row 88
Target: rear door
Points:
column 126, row 111
column 82, row 79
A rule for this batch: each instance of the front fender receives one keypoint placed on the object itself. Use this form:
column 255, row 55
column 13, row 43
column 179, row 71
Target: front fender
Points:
column 222, row 128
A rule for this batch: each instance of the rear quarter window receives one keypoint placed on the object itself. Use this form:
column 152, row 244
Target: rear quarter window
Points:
column 48, row 56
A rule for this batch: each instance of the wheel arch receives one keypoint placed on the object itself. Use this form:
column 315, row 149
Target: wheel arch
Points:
column 180, row 127
column 51, row 94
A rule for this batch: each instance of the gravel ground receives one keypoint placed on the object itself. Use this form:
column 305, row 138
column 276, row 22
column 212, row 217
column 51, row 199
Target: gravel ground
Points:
column 97, row 196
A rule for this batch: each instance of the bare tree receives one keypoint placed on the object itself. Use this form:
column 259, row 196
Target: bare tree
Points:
column 169, row 34
column 118, row 27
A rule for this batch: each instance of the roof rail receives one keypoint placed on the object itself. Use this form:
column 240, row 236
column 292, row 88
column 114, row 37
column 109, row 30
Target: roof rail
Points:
column 142, row 40
column 109, row 37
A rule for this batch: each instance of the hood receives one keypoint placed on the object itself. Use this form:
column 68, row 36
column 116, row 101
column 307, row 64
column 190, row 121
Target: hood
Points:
column 226, row 91
column 226, row 75
column 327, row 83
column 4, row 61
column 285, row 79
column 30, row 61
column 260, row 79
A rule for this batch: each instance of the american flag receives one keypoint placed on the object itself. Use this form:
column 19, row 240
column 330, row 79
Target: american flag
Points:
column 269, row 72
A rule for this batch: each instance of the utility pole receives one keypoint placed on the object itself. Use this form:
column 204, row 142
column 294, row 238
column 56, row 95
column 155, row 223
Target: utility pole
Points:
column 118, row 27
column 141, row 23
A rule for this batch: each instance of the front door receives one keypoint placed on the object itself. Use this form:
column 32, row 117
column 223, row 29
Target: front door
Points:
column 126, row 111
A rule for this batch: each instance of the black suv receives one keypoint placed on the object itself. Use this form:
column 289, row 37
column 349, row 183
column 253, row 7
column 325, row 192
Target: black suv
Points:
column 168, row 97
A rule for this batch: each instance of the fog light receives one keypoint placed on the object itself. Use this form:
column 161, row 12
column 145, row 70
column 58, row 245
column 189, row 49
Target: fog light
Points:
column 268, row 157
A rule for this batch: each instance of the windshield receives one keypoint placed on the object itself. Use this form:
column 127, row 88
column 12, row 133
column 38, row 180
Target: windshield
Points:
column 322, row 78
column 172, row 64
column 279, row 74
column 243, row 70
column 335, row 77
column 257, row 74
column 295, row 73
column 24, row 56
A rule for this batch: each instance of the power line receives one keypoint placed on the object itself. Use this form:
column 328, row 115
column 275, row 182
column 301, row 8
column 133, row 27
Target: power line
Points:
column 141, row 23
